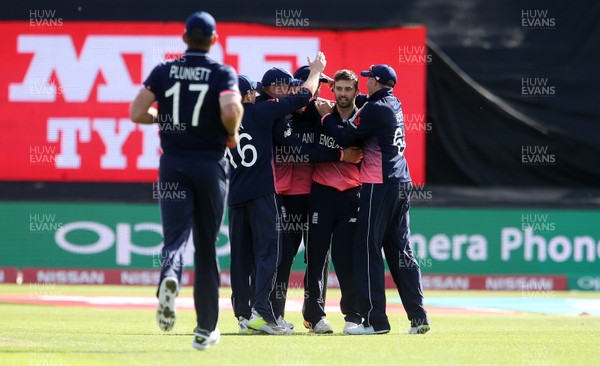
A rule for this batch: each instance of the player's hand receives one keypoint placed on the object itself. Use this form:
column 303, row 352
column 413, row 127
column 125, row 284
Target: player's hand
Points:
column 330, row 81
column 232, row 140
column 318, row 64
column 324, row 106
column 154, row 113
column 352, row 155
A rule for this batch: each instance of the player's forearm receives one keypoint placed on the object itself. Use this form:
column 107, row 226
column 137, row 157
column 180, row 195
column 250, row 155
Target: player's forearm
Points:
column 306, row 153
column 231, row 117
column 312, row 82
column 340, row 135
column 361, row 99
column 231, row 111
column 316, row 155
column 141, row 110
column 316, row 67
column 294, row 102
column 148, row 117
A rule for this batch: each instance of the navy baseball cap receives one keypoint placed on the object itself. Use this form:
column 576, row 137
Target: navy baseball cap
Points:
column 246, row 84
column 202, row 22
column 382, row 73
column 277, row 75
column 303, row 72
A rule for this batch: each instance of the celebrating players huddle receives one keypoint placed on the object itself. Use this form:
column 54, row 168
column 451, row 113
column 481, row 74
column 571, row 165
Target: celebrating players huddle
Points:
column 301, row 169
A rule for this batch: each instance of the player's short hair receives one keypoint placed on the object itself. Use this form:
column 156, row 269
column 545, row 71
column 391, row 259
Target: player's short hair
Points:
column 346, row 74
column 389, row 83
column 196, row 39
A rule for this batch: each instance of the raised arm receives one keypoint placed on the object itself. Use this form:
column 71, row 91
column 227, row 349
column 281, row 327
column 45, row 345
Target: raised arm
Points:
column 316, row 68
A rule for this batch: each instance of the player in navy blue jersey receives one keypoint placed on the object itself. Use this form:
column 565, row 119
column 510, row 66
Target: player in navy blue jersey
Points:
column 253, row 213
column 278, row 84
column 293, row 173
column 383, row 218
column 199, row 112
column 294, row 196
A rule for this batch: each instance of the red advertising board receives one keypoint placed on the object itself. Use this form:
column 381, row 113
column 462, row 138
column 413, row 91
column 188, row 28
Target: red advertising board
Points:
column 66, row 88
column 8, row 274
column 77, row 276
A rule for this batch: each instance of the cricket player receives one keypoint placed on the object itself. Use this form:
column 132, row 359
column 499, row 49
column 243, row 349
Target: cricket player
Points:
column 294, row 196
column 333, row 206
column 383, row 217
column 277, row 85
column 199, row 112
column 253, row 214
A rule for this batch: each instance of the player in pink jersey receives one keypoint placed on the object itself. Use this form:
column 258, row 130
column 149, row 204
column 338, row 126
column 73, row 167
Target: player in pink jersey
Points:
column 333, row 207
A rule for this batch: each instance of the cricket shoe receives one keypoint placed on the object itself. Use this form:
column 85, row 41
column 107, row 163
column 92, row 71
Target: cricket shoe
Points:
column 349, row 325
column 322, row 327
column 165, row 315
column 289, row 327
column 257, row 322
column 362, row 330
column 243, row 327
column 421, row 329
column 204, row 339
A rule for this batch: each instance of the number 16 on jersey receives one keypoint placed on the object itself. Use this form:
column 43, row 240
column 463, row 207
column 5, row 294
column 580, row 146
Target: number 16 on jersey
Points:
column 242, row 151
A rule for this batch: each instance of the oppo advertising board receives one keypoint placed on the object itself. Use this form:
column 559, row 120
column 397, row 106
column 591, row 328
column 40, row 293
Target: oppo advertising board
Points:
column 456, row 248
column 66, row 88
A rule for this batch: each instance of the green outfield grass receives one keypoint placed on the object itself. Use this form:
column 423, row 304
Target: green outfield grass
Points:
column 52, row 335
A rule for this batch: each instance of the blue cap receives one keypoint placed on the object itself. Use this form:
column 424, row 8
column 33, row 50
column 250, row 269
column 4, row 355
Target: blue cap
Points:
column 303, row 72
column 246, row 84
column 202, row 21
column 277, row 75
column 382, row 73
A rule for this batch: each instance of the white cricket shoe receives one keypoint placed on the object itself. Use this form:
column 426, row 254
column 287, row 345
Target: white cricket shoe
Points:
column 322, row 327
column 244, row 329
column 421, row 329
column 257, row 322
column 289, row 327
column 165, row 315
column 204, row 339
column 362, row 330
column 349, row 325
column 243, row 326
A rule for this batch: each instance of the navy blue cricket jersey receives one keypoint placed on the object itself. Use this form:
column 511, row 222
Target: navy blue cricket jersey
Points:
column 297, row 131
column 187, row 90
column 303, row 124
column 379, row 128
column 251, row 160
